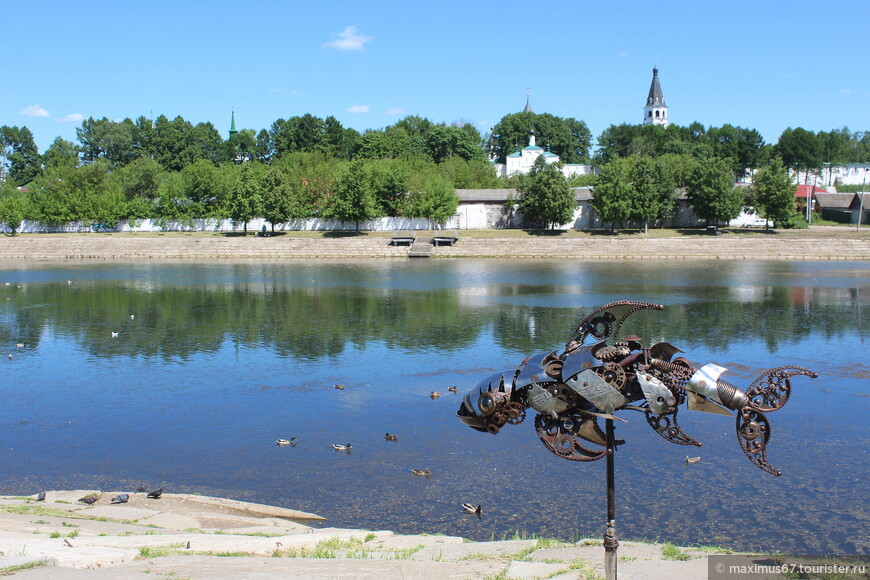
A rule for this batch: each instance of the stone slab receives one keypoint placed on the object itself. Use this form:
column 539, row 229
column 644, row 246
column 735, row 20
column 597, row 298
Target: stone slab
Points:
column 453, row 552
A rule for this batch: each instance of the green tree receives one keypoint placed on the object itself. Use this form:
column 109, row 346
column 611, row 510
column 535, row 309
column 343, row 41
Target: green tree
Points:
column 652, row 192
column 545, row 197
column 712, row 193
column 139, row 183
column 612, row 196
column 111, row 141
column 282, row 199
column 13, row 206
column 244, row 199
column 443, row 142
column 470, row 174
column 773, row 193
column 178, row 143
column 437, row 201
column 240, row 147
column 389, row 184
column 19, row 152
column 203, row 189
column 799, row 148
column 84, row 194
column 353, row 199
column 61, row 153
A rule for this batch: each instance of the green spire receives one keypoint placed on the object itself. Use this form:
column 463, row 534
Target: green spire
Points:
column 233, row 125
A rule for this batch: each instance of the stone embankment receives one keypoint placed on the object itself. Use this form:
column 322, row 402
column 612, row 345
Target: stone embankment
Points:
column 806, row 245
column 189, row 536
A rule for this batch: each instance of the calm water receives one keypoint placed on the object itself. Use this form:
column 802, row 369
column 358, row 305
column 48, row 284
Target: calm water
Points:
column 219, row 361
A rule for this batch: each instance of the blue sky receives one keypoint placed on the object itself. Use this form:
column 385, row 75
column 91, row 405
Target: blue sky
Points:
column 765, row 64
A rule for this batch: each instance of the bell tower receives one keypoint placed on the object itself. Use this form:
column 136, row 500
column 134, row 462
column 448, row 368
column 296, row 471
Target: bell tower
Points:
column 655, row 112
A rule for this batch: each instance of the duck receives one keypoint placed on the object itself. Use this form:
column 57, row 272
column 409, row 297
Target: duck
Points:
column 472, row 509
column 338, row 447
column 434, row 394
column 422, row 472
column 453, row 390
column 339, row 387
column 114, row 334
column 132, row 317
column 692, row 459
column 390, row 437
column 283, row 442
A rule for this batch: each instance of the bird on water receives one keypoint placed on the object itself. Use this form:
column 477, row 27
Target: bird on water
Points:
column 472, row 509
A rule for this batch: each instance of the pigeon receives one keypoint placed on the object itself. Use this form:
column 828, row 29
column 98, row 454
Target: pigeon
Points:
column 90, row 499
column 141, row 488
column 121, row 498
column 156, row 493
column 40, row 496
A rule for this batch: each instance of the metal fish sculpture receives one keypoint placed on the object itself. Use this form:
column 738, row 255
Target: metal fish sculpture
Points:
column 601, row 372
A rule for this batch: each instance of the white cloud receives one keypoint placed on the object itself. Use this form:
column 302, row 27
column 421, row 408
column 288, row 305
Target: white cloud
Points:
column 624, row 54
column 71, row 118
column 358, row 109
column 395, row 111
column 35, row 111
column 846, row 92
column 349, row 39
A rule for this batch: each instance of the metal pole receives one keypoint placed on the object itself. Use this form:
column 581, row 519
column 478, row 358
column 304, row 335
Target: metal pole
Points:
column 611, row 544
column 861, row 204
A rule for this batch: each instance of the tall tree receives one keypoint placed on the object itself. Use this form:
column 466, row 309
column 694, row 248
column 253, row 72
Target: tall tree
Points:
column 13, row 206
column 652, row 191
column 545, row 197
column 799, row 149
column 612, row 196
column 114, row 142
column 773, row 193
column 353, row 199
column 245, row 195
column 443, row 142
column 61, row 153
column 712, row 192
column 282, row 200
column 19, row 152
column 436, row 202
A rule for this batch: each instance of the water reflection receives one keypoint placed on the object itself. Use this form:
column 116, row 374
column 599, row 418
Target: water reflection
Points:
column 218, row 361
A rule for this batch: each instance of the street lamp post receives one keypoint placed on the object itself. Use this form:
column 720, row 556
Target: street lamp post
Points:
column 861, row 203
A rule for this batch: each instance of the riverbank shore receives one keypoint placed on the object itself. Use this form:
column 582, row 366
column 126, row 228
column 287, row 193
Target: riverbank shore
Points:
column 190, row 536
column 821, row 243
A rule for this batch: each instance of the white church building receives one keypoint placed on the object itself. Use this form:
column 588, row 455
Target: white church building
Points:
column 522, row 160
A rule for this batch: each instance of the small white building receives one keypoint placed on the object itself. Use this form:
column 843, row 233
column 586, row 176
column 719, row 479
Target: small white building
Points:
column 520, row 162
